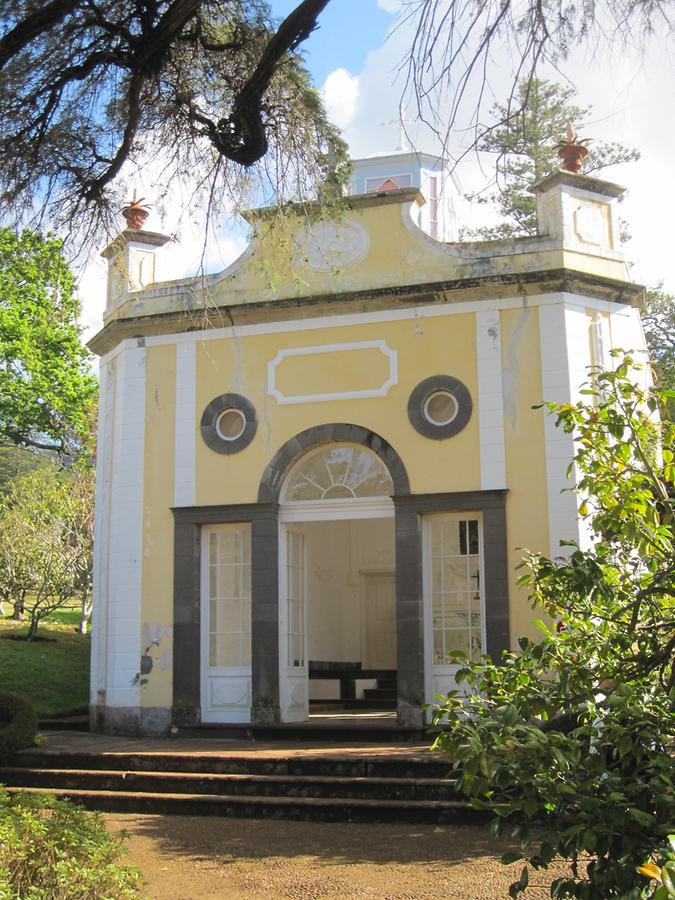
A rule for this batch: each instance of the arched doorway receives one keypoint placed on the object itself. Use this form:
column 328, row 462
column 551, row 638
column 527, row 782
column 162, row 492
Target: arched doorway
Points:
column 337, row 593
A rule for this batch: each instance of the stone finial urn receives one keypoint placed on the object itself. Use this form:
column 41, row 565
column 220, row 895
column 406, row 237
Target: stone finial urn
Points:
column 135, row 214
column 572, row 152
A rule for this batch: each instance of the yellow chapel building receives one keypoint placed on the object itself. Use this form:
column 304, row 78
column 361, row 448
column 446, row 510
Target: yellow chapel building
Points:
column 318, row 468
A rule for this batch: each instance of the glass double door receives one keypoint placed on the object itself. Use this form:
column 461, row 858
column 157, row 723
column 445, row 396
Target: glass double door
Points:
column 454, row 603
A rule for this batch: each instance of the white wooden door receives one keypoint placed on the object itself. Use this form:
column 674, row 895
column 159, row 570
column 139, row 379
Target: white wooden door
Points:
column 226, row 623
column 379, row 621
column 293, row 675
column 454, row 603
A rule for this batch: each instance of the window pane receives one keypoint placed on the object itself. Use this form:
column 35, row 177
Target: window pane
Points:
column 246, row 650
column 455, row 575
column 456, row 602
column 229, row 585
column 319, row 472
column 225, row 650
column 457, row 639
column 456, row 619
column 451, row 531
column 473, row 536
column 230, row 616
column 436, row 537
column 439, row 653
column 338, row 462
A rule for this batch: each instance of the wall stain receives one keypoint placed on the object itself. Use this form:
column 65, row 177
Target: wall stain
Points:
column 511, row 371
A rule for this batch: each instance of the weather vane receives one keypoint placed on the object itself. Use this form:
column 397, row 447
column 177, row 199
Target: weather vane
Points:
column 402, row 121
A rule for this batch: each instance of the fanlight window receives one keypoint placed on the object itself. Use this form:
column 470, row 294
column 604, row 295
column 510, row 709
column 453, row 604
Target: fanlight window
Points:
column 339, row 472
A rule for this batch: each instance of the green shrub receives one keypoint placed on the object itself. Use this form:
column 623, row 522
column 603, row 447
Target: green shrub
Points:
column 18, row 723
column 52, row 848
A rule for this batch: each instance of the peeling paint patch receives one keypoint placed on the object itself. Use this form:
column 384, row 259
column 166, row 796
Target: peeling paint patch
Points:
column 154, row 634
column 146, row 664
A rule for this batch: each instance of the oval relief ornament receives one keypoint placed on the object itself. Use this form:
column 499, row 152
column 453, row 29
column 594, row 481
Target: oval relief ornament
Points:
column 325, row 246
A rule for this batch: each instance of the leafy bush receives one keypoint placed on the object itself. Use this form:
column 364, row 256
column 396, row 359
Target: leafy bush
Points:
column 18, row 723
column 664, row 874
column 52, row 848
column 574, row 734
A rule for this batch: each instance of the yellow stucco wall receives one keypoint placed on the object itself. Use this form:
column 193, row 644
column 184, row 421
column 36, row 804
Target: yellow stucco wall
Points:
column 443, row 345
column 424, row 348
column 157, row 565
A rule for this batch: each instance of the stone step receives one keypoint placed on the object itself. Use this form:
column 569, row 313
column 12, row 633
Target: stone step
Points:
column 369, row 788
column 325, row 809
column 307, row 732
column 232, row 784
column 330, row 764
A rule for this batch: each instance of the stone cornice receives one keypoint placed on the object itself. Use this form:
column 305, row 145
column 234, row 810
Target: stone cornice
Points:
column 487, row 287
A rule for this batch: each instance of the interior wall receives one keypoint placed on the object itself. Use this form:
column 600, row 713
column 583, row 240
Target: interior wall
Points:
column 337, row 553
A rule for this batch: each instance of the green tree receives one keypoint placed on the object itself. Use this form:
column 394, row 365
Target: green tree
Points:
column 573, row 734
column 523, row 140
column 46, row 386
column 658, row 318
column 198, row 90
column 16, row 461
column 46, row 536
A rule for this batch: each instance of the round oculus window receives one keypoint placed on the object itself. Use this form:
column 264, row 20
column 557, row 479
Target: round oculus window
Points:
column 230, row 424
column 441, row 408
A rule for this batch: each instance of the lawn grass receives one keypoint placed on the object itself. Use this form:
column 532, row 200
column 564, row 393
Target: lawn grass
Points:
column 52, row 673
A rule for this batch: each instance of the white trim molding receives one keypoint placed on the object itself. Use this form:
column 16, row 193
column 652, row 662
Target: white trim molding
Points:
column 332, row 510
column 367, row 318
column 563, row 519
column 99, row 624
column 490, row 400
column 123, row 587
column 186, row 424
column 382, row 391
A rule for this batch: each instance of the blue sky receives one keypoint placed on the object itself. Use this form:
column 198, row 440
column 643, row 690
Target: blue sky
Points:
column 348, row 30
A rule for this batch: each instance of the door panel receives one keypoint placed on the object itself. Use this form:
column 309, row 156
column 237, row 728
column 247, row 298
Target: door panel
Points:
column 293, row 675
column 226, row 623
column 453, row 596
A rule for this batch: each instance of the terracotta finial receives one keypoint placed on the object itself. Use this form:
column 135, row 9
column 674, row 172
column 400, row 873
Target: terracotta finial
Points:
column 572, row 152
column 135, row 213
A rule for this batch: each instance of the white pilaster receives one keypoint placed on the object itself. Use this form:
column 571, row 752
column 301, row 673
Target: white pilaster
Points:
column 184, row 474
column 101, row 533
column 490, row 400
column 126, row 530
column 563, row 521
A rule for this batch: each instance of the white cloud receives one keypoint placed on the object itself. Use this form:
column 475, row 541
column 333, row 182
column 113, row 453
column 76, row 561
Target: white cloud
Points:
column 628, row 90
column 390, row 6
column 340, row 95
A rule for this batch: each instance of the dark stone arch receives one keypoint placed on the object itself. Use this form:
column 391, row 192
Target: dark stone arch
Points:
column 339, row 433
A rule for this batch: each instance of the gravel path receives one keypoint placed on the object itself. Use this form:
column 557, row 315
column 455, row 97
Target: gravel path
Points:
column 185, row 857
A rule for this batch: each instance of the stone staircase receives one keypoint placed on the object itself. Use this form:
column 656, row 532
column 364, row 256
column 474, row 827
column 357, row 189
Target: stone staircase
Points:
column 347, row 786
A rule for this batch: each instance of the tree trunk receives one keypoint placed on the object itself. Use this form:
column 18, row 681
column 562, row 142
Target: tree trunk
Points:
column 18, row 613
column 85, row 615
column 32, row 628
